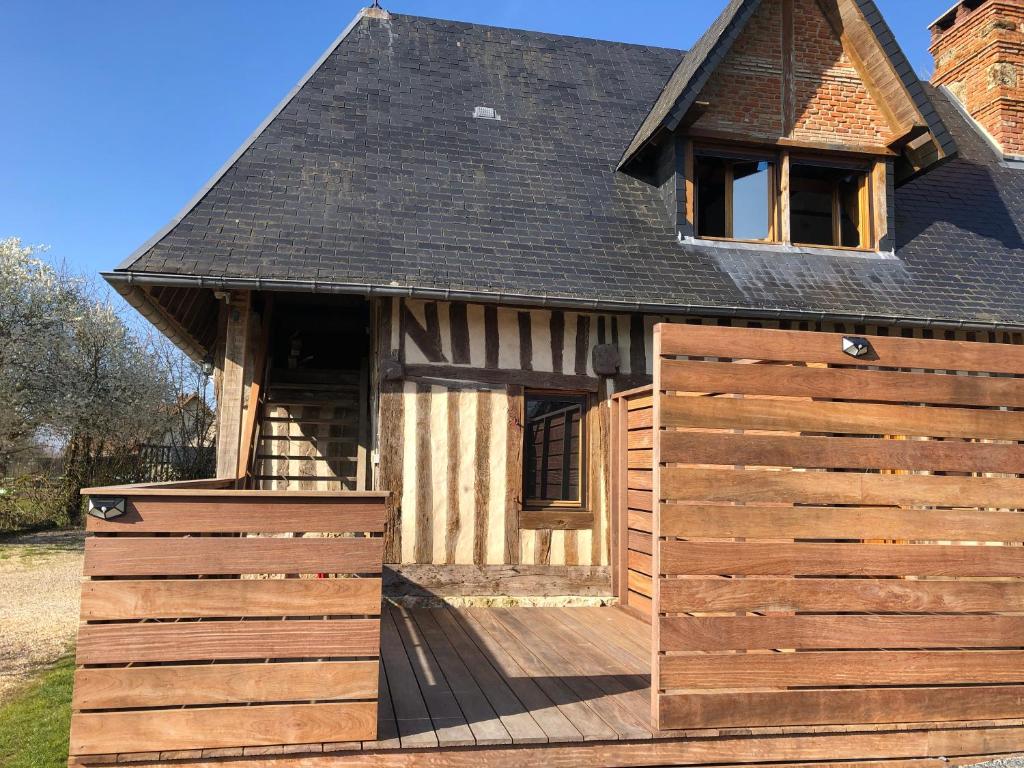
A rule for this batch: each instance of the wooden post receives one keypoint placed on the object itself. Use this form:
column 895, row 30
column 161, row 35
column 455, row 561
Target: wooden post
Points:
column 259, row 375
column 229, row 408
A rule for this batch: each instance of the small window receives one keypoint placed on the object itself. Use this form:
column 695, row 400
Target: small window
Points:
column 828, row 206
column 554, row 460
column 735, row 198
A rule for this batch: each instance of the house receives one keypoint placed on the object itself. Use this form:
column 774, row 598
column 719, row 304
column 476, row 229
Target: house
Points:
column 463, row 273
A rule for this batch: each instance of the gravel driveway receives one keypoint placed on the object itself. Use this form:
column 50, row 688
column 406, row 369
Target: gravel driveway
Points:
column 39, row 584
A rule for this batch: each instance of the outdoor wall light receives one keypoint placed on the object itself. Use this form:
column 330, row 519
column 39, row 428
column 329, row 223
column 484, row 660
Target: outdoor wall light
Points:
column 106, row 507
column 855, row 346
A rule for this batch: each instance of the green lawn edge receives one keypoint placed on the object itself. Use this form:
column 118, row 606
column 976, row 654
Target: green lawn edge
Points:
column 34, row 724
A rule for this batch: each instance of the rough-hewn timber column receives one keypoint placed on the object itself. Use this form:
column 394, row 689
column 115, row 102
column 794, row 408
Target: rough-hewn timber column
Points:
column 229, row 407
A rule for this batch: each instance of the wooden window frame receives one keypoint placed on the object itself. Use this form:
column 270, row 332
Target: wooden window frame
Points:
column 872, row 203
column 581, row 504
column 739, row 155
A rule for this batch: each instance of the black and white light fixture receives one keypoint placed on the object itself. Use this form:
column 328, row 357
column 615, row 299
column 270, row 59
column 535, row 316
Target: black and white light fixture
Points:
column 854, row 346
column 106, row 507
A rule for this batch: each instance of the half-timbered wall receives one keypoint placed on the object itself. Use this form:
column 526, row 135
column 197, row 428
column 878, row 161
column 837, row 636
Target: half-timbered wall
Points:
column 448, row 421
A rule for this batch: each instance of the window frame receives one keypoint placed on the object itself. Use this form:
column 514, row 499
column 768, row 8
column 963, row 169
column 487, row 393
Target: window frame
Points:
column 732, row 157
column 782, row 159
column 581, row 504
column 865, row 200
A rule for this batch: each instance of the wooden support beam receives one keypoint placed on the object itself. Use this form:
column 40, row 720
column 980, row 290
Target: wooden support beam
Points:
column 232, row 390
column 259, row 375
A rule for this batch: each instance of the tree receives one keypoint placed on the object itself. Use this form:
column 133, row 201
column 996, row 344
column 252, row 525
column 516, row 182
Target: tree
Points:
column 190, row 430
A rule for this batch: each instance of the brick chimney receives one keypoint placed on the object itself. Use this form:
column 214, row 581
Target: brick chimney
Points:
column 978, row 47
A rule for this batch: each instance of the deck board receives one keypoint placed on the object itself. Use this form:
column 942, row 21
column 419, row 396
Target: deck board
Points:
column 514, row 676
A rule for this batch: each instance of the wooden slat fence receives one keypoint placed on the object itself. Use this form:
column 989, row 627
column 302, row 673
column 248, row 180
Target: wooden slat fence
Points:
column 838, row 539
column 242, row 622
column 633, row 441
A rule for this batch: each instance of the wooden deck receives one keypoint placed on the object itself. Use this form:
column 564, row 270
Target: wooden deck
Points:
column 498, row 676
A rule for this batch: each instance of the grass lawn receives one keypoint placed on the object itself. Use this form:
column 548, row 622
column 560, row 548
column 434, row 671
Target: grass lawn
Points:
column 34, row 724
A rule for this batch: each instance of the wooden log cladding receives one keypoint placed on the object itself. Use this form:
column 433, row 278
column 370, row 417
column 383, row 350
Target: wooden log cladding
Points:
column 139, row 687
column 823, row 595
column 715, row 521
column 211, row 556
column 222, row 727
column 806, row 346
column 840, row 668
column 220, row 598
column 197, row 641
column 232, row 515
column 844, row 418
column 746, row 633
column 840, row 488
column 841, row 383
column 836, row 452
column 811, row 559
column 885, row 705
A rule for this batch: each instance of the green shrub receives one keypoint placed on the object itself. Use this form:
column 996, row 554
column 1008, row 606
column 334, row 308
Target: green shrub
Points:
column 32, row 503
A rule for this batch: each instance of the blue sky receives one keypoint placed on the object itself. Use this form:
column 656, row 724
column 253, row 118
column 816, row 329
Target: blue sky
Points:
column 117, row 111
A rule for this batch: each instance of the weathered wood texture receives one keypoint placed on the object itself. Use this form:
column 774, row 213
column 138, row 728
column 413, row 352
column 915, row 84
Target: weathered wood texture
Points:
column 836, row 541
column 632, row 445
column 289, row 584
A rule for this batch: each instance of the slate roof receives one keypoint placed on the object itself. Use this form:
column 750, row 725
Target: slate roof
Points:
column 376, row 174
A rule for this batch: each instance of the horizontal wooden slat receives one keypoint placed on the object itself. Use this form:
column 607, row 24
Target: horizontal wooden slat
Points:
column 215, row 728
column 638, row 561
column 721, row 521
column 807, row 346
column 133, row 687
column 641, row 542
column 209, row 640
column 208, row 598
column 640, row 459
column 642, row 603
column 239, row 515
column 640, row 480
column 838, row 452
column 830, row 595
column 639, row 520
column 640, row 401
column 641, row 500
column 125, row 556
column 737, row 633
column 639, row 439
column 845, row 418
column 640, row 419
column 700, row 558
column 841, row 383
column 713, row 485
column 640, row 583
column 556, row 519
column 840, row 668
column 891, row 705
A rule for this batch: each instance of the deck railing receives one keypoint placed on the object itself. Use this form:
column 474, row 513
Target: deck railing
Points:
column 227, row 622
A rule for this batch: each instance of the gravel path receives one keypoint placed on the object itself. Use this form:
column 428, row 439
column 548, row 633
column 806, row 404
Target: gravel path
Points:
column 39, row 584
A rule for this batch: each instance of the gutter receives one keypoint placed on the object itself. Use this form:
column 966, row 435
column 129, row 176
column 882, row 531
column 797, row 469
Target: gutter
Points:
column 126, row 280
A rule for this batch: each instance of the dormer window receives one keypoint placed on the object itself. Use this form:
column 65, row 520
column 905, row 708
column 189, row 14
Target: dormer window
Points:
column 781, row 196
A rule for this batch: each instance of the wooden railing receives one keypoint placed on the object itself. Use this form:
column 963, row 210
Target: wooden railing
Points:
column 245, row 622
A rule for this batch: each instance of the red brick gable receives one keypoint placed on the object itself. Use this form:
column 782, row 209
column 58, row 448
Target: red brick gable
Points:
column 830, row 102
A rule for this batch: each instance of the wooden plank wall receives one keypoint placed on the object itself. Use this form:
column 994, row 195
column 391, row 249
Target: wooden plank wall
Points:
column 815, row 571
column 209, row 627
column 632, row 498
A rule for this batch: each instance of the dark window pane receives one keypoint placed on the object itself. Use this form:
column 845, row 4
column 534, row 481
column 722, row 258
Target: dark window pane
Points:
column 552, row 460
column 849, row 210
column 711, row 197
column 817, row 197
column 751, row 207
